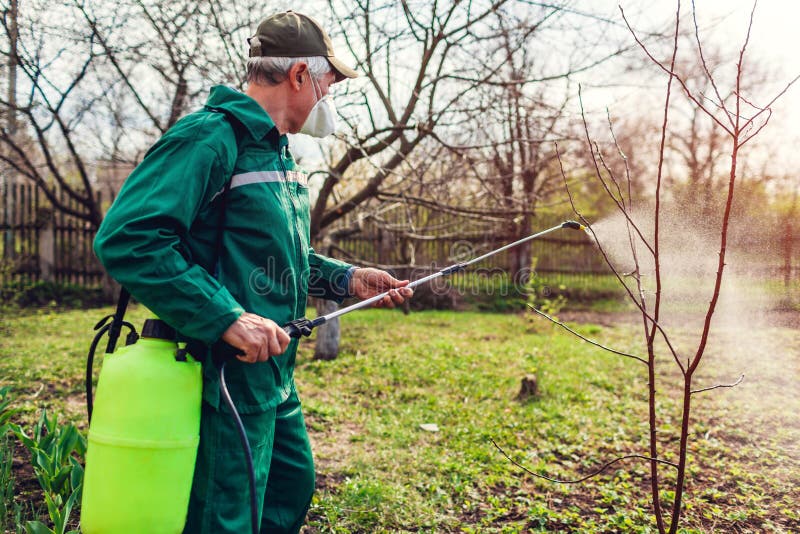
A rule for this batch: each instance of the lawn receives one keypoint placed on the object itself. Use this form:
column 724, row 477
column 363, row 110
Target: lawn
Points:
column 380, row 470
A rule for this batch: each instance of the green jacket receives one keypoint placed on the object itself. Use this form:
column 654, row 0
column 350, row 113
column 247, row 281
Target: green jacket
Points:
column 158, row 239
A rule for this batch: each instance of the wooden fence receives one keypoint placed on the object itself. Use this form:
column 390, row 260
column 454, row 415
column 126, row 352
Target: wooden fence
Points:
column 39, row 243
column 419, row 242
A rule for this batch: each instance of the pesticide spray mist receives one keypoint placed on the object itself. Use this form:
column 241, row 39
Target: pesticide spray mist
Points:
column 752, row 332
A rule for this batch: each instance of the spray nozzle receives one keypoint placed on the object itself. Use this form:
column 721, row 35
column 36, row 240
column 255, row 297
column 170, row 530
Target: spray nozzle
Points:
column 573, row 225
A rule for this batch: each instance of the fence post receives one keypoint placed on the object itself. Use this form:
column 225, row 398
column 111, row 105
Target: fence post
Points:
column 8, row 207
column 47, row 244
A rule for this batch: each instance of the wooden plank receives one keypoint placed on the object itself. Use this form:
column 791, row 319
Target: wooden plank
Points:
column 15, row 218
column 85, row 231
column 27, row 218
column 21, row 229
column 37, row 233
column 61, row 242
column 4, row 223
column 72, row 242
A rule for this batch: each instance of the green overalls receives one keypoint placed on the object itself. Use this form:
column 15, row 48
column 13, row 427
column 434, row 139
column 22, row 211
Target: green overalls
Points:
column 158, row 240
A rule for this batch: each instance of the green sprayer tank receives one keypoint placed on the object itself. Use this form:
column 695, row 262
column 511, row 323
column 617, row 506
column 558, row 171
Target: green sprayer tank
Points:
column 143, row 438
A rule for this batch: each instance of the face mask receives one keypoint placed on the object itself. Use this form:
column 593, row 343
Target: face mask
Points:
column 321, row 122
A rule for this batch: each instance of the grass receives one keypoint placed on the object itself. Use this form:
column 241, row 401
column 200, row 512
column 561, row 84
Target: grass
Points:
column 380, row 471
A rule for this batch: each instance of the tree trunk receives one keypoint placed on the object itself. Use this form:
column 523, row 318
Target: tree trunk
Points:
column 47, row 250
column 11, row 123
column 13, row 31
column 328, row 334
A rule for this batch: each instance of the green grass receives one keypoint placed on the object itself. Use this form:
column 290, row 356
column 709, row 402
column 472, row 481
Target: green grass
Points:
column 379, row 471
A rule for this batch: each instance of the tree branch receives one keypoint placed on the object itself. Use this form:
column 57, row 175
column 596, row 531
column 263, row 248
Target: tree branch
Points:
column 591, row 342
column 587, row 477
column 733, row 385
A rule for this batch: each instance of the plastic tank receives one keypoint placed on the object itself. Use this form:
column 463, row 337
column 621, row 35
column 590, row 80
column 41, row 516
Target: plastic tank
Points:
column 143, row 438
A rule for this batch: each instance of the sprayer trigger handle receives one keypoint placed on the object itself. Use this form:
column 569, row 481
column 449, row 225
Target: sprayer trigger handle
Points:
column 298, row 328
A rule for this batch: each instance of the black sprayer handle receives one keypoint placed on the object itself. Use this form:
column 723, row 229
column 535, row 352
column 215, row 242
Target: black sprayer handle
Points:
column 224, row 352
column 299, row 327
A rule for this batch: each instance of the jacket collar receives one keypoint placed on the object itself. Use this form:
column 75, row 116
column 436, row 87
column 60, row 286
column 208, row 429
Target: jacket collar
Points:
column 245, row 109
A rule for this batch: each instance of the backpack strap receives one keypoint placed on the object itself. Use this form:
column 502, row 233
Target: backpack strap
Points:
column 117, row 321
column 237, row 127
column 194, row 347
column 114, row 329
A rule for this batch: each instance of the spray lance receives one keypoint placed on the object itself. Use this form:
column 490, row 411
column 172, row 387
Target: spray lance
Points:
column 303, row 327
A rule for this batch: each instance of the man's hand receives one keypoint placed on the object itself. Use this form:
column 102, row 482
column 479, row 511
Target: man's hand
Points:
column 258, row 338
column 368, row 282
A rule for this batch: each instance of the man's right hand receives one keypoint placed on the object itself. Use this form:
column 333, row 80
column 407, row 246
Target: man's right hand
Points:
column 257, row 337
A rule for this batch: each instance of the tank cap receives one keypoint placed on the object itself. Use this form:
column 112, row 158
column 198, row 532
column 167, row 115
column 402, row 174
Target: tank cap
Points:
column 156, row 328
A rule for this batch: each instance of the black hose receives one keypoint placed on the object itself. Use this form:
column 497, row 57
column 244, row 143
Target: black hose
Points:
column 114, row 329
column 248, row 454
column 89, row 365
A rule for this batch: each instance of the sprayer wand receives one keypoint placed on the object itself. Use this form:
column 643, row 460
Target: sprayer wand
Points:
column 304, row 327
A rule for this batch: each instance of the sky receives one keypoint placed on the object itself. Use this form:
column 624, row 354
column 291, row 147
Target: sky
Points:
column 774, row 45
column 775, row 40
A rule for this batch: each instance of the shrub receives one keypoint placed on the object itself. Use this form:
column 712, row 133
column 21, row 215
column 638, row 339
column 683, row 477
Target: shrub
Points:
column 40, row 293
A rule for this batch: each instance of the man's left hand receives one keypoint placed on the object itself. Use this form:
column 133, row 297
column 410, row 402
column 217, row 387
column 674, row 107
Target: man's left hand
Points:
column 368, row 282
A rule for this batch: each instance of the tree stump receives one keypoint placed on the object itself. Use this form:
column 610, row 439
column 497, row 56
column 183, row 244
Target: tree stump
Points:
column 529, row 388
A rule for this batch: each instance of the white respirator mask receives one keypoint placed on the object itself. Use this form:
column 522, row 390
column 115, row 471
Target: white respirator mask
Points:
column 321, row 121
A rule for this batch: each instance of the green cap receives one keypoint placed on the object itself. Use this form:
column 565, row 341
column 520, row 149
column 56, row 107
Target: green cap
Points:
column 293, row 34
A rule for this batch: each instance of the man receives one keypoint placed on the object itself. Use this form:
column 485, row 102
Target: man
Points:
column 161, row 239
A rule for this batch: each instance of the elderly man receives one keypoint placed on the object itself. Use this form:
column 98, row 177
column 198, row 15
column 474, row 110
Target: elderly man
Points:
column 211, row 232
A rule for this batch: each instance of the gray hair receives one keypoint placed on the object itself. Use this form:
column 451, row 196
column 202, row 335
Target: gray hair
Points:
column 268, row 70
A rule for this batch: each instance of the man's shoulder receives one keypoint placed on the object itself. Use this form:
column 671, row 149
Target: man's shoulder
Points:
column 205, row 128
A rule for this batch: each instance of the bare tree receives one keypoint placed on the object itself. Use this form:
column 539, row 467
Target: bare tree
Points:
column 427, row 69
column 50, row 114
column 447, row 85
column 102, row 82
column 521, row 173
column 402, row 102
column 701, row 151
column 734, row 114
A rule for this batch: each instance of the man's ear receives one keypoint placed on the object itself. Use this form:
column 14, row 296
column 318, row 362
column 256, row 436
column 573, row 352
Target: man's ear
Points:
column 297, row 75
